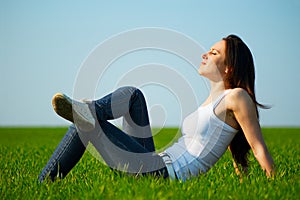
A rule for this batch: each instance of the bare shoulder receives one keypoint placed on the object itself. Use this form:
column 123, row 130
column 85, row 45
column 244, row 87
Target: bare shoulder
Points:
column 238, row 98
column 239, row 93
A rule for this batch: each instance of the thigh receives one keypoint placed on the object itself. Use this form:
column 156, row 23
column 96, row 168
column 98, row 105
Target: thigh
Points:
column 136, row 121
column 121, row 151
column 120, row 139
column 129, row 103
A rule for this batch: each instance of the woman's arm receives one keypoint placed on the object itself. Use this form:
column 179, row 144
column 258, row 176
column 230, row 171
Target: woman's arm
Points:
column 245, row 113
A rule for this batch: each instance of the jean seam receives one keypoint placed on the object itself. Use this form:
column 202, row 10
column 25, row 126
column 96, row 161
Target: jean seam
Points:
column 61, row 151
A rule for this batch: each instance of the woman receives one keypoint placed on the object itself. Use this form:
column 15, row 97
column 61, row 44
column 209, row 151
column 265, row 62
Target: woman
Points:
column 227, row 119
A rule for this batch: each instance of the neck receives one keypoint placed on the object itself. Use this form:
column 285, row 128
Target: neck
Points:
column 216, row 88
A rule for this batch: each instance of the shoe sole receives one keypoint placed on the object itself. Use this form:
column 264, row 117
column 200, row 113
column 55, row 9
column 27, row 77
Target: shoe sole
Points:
column 62, row 105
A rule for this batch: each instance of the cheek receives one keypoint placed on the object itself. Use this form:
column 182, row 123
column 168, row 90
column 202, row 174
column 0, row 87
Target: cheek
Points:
column 215, row 65
column 220, row 65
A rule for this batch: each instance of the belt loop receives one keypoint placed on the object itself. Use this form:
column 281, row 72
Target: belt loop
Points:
column 168, row 162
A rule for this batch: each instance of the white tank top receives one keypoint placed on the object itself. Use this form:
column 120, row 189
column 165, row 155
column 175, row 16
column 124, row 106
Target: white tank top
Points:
column 204, row 140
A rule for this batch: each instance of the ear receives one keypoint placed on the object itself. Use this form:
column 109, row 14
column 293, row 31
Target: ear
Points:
column 228, row 69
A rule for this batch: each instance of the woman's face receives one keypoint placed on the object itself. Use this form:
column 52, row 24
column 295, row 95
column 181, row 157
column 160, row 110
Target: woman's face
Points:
column 212, row 65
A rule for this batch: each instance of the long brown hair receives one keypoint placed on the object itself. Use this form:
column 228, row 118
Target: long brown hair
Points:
column 241, row 74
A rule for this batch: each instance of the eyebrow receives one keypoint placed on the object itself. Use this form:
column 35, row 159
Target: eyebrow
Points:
column 215, row 50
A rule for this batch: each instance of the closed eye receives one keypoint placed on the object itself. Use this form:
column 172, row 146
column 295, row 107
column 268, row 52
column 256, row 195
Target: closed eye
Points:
column 213, row 52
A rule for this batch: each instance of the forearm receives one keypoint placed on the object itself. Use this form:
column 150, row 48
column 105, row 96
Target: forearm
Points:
column 266, row 162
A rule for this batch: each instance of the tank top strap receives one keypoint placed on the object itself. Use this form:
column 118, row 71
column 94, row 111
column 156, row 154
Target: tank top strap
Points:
column 219, row 99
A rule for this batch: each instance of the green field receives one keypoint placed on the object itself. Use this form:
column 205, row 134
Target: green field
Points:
column 25, row 151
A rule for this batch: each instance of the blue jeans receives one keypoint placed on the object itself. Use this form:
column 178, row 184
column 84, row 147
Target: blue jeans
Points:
column 131, row 150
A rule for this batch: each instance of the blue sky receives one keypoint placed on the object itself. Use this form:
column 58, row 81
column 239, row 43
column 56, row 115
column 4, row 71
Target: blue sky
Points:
column 44, row 44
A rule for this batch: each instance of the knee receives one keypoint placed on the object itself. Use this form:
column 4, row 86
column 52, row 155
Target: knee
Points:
column 132, row 90
column 136, row 92
column 129, row 88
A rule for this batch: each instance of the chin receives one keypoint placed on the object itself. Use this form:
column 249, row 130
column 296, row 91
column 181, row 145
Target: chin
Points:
column 200, row 72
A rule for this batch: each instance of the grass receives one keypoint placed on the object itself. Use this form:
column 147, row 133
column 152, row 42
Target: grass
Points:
column 25, row 151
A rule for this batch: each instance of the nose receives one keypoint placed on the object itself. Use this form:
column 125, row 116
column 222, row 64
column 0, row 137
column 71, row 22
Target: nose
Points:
column 204, row 56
